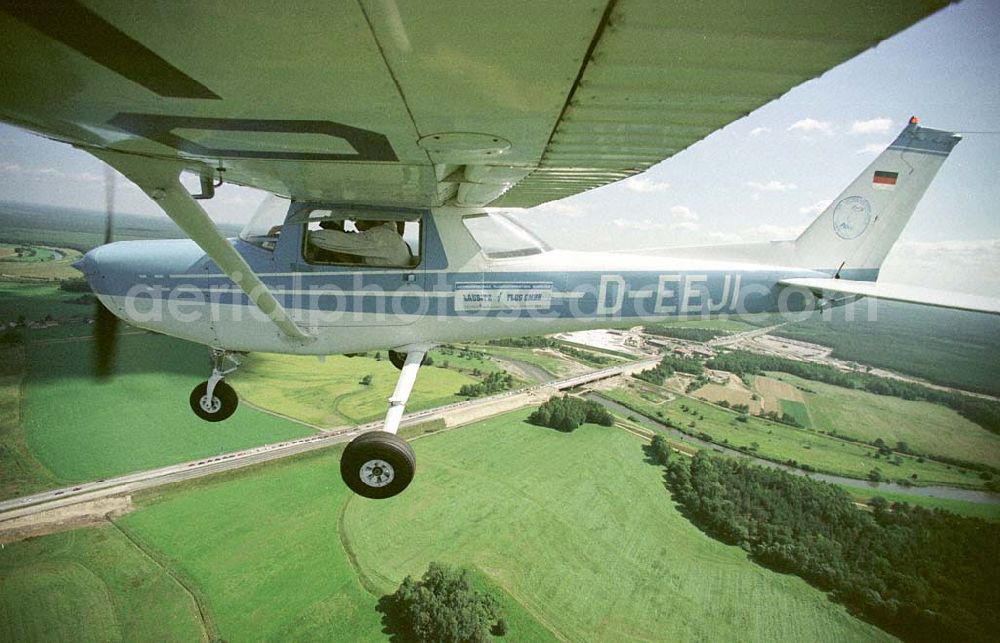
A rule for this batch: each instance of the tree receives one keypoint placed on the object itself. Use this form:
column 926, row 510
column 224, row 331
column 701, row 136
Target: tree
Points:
column 660, row 450
column 443, row 606
column 378, row 356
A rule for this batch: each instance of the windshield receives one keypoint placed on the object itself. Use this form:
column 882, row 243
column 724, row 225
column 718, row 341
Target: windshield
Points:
column 264, row 228
column 499, row 236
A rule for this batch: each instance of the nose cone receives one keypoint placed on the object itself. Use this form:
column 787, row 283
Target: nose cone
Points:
column 87, row 264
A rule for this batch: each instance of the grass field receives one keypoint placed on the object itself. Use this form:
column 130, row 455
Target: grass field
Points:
column 262, row 547
column 982, row 510
column 44, row 264
column 331, row 394
column 37, row 301
column 731, row 325
column 81, row 429
column 554, row 365
column 20, row 471
column 581, row 530
column 925, row 427
column 782, row 443
column 90, row 585
column 597, row 552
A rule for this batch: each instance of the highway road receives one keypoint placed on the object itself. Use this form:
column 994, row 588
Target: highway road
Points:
column 133, row 482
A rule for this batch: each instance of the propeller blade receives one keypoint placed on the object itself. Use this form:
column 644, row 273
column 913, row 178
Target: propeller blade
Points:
column 105, row 341
column 105, row 321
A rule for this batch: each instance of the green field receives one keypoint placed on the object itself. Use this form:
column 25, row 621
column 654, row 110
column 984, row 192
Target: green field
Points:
column 262, row 548
column 781, row 443
column 330, row 393
column 595, row 552
column 82, row 429
column 37, row 301
column 580, row 529
column 91, row 585
column 927, row 428
column 797, row 410
column 555, row 366
column 986, row 511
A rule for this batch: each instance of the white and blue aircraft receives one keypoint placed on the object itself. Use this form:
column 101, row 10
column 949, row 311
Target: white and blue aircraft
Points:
column 417, row 117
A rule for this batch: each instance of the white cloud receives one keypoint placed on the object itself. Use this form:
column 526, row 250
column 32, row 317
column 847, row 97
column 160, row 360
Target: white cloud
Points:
column 816, row 208
column 560, row 208
column 770, row 232
column 873, row 148
column 50, row 173
column 872, row 126
column 772, row 186
column 646, row 186
column 811, row 126
column 757, row 131
column 683, row 213
column 687, row 226
column 957, row 265
column 634, row 224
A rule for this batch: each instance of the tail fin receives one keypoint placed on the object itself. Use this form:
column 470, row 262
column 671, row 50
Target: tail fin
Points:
column 855, row 233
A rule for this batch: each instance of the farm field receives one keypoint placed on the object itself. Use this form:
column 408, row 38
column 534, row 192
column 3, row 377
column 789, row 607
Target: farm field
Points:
column 330, row 393
column 553, row 364
column 35, row 301
column 624, row 565
column 262, row 548
column 82, row 429
column 46, row 262
column 782, row 443
column 90, row 585
column 597, row 551
column 925, row 427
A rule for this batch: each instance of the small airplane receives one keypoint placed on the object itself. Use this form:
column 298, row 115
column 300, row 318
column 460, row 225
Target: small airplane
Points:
column 388, row 128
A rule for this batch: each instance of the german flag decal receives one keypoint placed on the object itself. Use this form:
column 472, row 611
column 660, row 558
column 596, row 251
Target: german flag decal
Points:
column 884, row 180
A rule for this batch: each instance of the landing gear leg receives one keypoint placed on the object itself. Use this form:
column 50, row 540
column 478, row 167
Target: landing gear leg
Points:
column 214, row 400
column 380, row 464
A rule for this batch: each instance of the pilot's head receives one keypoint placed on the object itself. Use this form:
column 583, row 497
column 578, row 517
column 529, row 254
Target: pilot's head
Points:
column 363, row 225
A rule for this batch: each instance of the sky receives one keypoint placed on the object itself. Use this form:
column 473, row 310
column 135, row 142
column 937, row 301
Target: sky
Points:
column 761, row 178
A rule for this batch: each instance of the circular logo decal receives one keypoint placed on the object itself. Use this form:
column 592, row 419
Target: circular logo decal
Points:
column 851, row 217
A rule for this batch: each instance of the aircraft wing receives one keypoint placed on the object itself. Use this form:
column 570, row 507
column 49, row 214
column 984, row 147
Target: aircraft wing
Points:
column 895, row 292
column 505, row 103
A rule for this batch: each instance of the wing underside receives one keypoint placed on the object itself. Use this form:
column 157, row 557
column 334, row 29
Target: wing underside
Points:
column 505, row 103
column 836, row 288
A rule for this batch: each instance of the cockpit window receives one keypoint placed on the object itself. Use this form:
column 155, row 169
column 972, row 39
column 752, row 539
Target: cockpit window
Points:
column 264, row 227
column 500, row 236
column 367, row 238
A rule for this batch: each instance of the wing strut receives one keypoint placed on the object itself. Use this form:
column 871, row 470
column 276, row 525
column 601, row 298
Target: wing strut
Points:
column 160, row 179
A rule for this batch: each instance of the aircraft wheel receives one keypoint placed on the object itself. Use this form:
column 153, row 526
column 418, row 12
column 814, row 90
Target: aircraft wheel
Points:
column 223, row 403
column 398, row 359
column 378, row 465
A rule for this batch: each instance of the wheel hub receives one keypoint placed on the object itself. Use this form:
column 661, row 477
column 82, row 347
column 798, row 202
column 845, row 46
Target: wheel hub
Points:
column 210, row 405
column 377, row 473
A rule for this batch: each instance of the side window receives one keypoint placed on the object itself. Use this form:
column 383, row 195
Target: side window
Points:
column 333, row 239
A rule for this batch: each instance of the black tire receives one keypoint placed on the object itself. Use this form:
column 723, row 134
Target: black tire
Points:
column 224, row 402
column 398, row 359
column 378, row 465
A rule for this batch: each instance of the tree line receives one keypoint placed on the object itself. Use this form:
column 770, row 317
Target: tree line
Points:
column 920, row 574
column 985, row 413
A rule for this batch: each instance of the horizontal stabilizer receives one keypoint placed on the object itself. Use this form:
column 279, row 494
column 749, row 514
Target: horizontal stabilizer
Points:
column 829, row 288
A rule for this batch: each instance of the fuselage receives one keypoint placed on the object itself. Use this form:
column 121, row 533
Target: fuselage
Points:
column 456, row 292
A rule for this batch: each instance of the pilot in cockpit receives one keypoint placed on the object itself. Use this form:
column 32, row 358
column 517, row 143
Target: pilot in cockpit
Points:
column 376, row 243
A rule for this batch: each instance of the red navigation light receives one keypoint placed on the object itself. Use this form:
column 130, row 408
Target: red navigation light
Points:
column 914, row 120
